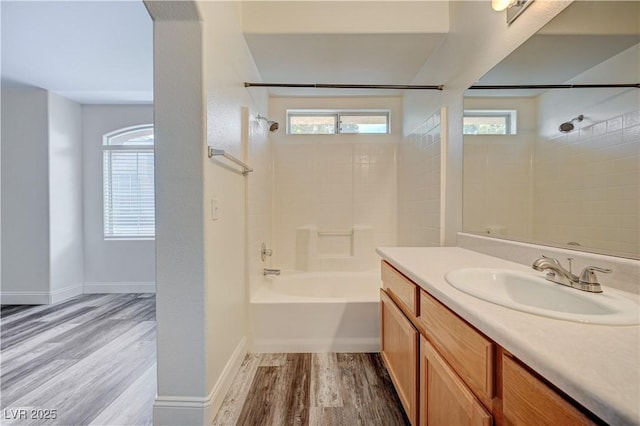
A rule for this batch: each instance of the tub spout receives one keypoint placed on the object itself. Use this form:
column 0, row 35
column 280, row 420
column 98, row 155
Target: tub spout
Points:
column 267, row 271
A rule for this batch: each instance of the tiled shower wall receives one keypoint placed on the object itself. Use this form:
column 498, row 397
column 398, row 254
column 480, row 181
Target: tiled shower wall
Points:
column 497, row 174
column 493, row 204
column 333, row 186
column 590, row 179
column 259, row 196
column 419, row 166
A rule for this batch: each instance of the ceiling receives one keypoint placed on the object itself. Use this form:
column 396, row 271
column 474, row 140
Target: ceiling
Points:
column 86, row 51
column 340, row 59
column 102, row 52
column 582, row 36
column 553, row 59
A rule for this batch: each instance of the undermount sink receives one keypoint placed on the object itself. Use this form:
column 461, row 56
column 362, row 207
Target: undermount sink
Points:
column 528, row 292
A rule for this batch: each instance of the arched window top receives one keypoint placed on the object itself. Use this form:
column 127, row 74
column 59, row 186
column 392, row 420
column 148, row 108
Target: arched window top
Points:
column 136, row 136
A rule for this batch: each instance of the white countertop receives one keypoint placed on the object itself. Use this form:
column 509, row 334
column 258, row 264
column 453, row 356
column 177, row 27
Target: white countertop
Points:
column 598, row 366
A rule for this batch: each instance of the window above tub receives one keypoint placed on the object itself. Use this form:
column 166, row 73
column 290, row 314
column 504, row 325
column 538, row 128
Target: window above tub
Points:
column 490, row 122
column 333, row 122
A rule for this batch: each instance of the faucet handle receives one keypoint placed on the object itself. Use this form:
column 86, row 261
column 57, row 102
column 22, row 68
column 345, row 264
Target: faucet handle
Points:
column 588, row 275
column 264, row 251
column 553, row 259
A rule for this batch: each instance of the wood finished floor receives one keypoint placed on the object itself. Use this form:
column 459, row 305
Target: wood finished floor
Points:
column 91, row 358
column 312, row 389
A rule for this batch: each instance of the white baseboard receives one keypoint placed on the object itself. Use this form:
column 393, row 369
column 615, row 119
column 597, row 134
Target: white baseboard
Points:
column 184, row 410
column 229, row 372
column 40, row 297
column 316, row 345
column 25, row 297
column 65, row 293
column 116, row 287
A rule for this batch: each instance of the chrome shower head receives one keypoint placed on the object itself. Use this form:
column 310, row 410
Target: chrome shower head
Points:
column 273, row 125
column 568, row 126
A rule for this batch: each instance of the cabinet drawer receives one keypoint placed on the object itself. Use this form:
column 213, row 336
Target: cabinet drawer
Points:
column 399, row 350
column 468, row 352
column 400, row 287
column 525, row 398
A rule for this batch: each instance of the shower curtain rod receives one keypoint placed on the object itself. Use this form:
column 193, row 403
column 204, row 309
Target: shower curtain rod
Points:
column 345, row 86
column 553, row 86
column 440, row 87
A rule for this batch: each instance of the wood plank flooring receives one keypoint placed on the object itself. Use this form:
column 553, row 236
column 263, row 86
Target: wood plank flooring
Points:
column 312, row 389
column 92, row 359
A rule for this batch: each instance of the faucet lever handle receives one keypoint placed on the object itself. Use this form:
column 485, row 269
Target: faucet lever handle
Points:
column 588, row 275
column 553, row 259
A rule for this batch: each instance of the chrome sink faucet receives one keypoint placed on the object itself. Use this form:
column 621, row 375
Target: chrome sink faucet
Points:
column 587, row 281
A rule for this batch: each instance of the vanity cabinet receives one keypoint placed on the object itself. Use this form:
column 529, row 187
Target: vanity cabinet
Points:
column 448, row 373
column 399, row 351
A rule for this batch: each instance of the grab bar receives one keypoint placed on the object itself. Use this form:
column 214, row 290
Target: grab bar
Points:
column 335, row 233
column 212, row 152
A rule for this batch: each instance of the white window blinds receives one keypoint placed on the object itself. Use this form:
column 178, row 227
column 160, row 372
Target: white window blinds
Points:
column 128, row 184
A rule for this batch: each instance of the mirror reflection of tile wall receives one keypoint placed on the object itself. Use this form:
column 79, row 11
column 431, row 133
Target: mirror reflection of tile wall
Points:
column 553, row 188
column 590, row 179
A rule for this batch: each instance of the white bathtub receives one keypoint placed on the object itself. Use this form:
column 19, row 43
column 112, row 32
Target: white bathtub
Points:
column 317, row 312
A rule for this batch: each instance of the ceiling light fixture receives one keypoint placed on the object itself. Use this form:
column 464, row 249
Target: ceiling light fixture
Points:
column 500, row 5
column 513, row 7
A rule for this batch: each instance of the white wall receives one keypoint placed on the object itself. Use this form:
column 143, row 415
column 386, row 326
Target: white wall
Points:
column 42, row 197
column 25, row 196
column 319, row 17
column 228, row 64
column 334, row 182
column 110, row 265
column 183, row 395
column 201, row 266
column 478, row 39
column 65, row 197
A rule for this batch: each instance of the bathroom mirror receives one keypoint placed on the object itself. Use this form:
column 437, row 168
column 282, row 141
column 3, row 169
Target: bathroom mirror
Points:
column 560, row 167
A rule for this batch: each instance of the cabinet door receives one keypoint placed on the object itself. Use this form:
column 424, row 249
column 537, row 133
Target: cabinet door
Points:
column 400, row 354
column 444, row 398
column 526, row 399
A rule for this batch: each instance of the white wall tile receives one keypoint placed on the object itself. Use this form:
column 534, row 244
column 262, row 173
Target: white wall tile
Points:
column 419, row 185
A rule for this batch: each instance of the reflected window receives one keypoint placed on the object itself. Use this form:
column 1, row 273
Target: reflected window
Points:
column 489, row 122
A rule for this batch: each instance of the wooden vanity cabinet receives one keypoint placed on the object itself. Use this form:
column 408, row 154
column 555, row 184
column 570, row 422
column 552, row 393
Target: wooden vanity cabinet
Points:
column 399, row 351
column 448, row 373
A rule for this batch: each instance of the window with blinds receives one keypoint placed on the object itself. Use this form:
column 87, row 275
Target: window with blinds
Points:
column 128, row 184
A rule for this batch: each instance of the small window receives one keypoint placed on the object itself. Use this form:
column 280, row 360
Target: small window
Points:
column 489, row 122
column 323, row 122
column 128, row 184
column 315, row 124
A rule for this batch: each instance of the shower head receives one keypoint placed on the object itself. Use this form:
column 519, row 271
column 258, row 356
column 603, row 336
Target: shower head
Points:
column 568, row 126
column 273, row 125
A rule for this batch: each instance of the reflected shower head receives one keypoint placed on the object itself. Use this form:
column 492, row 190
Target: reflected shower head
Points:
column 273, row 125
column 568, row 126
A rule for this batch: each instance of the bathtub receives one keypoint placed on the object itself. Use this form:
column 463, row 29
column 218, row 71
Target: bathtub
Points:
column 317, row 312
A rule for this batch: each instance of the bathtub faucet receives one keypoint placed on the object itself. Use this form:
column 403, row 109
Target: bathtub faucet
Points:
column 268, row 271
